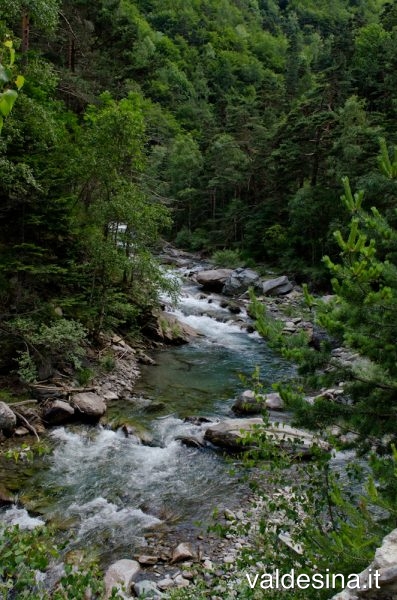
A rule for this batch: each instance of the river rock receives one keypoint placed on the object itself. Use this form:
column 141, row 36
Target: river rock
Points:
column 8, row 419
column 249, row 404
column 231, row 434
column 214, row 279
column 239, row 281
column 166, row 328
column 277, row 287
column 197, row 420
column 21, row 431
column 89, row 405
column 119, row 574
column 145, row 559
column 57, row 412
column 147, row 589
column 231, row 306
column 193, row 441
column 166, row 583
column 181, row 581
column 182, row 552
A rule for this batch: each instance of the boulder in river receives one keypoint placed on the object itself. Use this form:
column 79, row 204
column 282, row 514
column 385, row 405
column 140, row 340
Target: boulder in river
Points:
column 166, row 328
column 232, row 433
column 239, row 281
column 277, row 287
column 89, row 406
column 249, row 403
column 193, row 441
column 8, row 419
column 214, row 279
column 57, row 412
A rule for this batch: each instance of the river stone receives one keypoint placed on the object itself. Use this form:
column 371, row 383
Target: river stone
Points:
column 249, row 404
column 193, row 441
column 166, row 583
column 239, row 281
column 181, row 581
column 8, row 419
column 145, row 559
column 147, row 589
column 230, row 434
column 119, row 574
column 182, row 552
column 214, row 279
column 277, row 287
column 57, row 412
column 167, row 328
column 89, row 405
column 197, row 420
column 21, row 431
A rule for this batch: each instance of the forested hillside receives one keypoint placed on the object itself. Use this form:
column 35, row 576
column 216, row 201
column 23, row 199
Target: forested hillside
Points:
column 221, row 124
column 226, row 127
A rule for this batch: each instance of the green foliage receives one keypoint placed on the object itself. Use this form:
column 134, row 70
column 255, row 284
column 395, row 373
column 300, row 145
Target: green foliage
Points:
column 8, row 95
column 24, row 555
column 227, row 258
column 47, row 346
column 192, row 240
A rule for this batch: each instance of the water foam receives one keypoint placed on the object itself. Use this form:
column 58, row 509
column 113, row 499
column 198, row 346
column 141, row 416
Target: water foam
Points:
column 21, row 517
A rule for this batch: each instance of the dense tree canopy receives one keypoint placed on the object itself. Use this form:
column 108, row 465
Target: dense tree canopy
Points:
column 235, row 119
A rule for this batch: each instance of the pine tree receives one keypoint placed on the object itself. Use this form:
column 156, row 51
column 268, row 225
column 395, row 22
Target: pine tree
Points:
column 363, row 318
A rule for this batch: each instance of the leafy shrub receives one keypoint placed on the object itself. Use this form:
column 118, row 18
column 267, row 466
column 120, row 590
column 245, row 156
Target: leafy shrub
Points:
column 47, row 346
column 192, row 240
column 227, row 258
column 24, row 558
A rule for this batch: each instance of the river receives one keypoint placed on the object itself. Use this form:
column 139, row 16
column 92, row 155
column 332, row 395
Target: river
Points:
column 107, row 490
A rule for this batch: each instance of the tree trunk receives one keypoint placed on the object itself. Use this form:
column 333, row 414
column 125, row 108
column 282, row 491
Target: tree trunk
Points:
column 25, row 31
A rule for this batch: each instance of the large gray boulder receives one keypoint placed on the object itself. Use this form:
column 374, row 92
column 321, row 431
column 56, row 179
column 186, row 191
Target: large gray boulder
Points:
column 89, row 406
column 277, row 287
column 119, row 575
column 57, row 412
column 249, row 403
column 230, row 433
column 214, row 279
column 234, row 435
column 8, row 419
column 168, row 329
column 239, row 281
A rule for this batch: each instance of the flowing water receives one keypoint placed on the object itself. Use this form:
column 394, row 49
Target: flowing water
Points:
column 109, row 489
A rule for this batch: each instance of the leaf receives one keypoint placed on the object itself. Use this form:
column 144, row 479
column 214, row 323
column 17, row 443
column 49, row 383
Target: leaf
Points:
column 8, row 44
column 20, row 80
column 7, row 100
column 3, row 75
